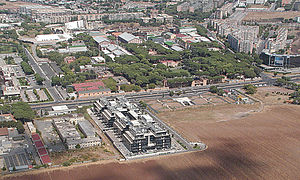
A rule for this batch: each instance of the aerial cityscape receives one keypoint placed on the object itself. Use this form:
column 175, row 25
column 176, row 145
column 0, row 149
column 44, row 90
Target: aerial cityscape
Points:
column 149, row 89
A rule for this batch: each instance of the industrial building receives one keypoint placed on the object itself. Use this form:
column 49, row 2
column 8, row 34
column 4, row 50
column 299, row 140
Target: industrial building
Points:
column 137, row 129
column 129, row 38
column 60, row 110
column 71, row 137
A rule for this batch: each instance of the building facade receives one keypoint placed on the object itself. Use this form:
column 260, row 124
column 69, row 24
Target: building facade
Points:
column 138, row 130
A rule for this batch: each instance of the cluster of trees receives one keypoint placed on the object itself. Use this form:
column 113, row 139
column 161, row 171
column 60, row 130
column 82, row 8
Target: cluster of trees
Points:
column 26, row 68
column 111, row 84
column 130, row 88
column 21, row 111
column 180, row 82
column 5, row 49
column 250, row 89
column 143, row 74
column 9, row 34
column 201, row 30
column 71, row 77
column 89, row 42
column 286, row 82
column 202, row 62
column 141, row 52
column 34, row 28
column 9, row 60
column 216, row 90
column 15, row 124
column 72, row 72
column 196, row 61
column 39, row 79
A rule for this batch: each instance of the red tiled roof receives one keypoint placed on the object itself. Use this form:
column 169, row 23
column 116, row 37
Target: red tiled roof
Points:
column 35, row 137
column 180, row 35
column 42, row 151
column 3, row 132
column 45, row 159
column 39, row 144
column 88, row 86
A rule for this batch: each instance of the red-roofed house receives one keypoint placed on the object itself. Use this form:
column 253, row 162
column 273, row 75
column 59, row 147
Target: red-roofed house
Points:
column 180, row 35
column 35, row 137
column 42, row 151
column 46, row 159
column 38, row 144
column 3, row 132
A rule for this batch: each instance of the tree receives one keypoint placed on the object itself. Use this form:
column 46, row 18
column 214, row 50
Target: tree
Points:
column 250, row 89
column 151, row 86
column 143, row 104
column 20, row 127
column 22, row 111
column 26, row 68
column 213, row 89
column 55, row 81
column 77, row 146
column 70, row 89
column 39, row 79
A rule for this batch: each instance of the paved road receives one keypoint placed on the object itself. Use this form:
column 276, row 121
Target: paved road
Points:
column 156, row 94
column 45, row 72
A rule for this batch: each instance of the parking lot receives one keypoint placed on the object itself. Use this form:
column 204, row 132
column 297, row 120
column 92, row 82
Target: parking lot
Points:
column 31, row 96
column 49, row 135
column 42, row 94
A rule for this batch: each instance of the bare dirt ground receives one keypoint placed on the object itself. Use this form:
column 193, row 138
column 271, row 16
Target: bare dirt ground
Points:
column 272, row 95
column 13, row 5
column 295, row 47
column 254, row 16
column 87, row 154
column 260, row 146
column 170, row 104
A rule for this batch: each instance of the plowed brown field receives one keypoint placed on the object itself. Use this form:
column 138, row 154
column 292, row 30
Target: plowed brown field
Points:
column 263, row 145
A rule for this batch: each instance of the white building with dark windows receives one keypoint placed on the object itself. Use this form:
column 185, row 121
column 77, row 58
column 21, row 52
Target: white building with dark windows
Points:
column 138, row 130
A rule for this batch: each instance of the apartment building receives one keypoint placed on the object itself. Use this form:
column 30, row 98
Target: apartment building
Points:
column 46, row 14
column 243, row 39
column 138, row 130
column 202, row 5
column 224, row 11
